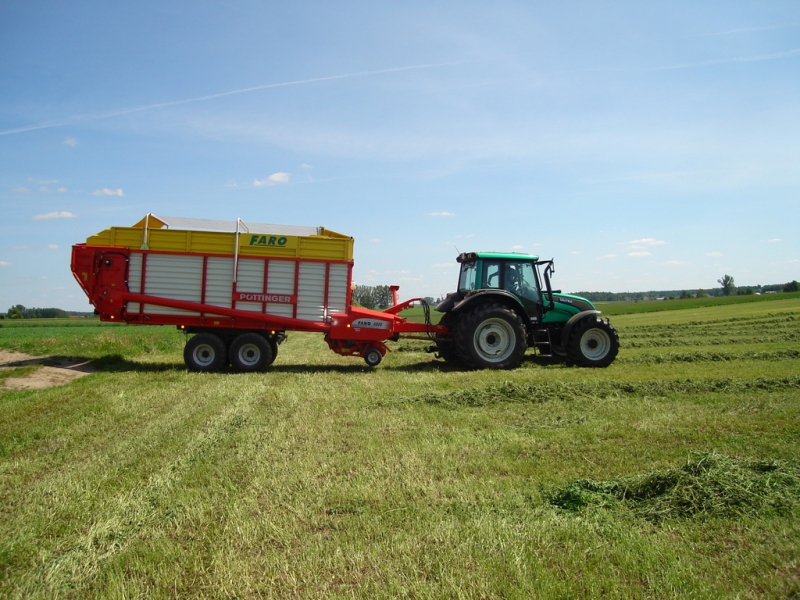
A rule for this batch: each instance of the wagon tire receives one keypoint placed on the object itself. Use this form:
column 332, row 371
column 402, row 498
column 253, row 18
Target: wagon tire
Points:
column 593, row 343
column 274, row 345
column 373, row 357
column 491, row 337
column 250, row 352
column 204, row 353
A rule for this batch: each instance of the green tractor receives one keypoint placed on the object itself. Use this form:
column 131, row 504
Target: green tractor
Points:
column 505, row 305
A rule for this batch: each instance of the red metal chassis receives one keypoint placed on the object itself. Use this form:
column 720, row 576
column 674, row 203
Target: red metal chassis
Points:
column 351, row 334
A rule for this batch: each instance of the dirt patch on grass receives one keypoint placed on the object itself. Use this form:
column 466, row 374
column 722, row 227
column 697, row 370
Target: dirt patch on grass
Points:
column 51, row 370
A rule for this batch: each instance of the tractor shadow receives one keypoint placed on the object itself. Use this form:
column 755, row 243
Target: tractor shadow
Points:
column 448, row 367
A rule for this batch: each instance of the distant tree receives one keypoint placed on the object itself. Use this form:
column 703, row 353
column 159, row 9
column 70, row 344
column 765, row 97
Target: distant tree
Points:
column 792, row 286
column 744, row 291
column 701, row 293
column 430, row 300
column 382, row 296
column 369, row 296
column 16, row 312
column 728, row 286
column 362, row 294
column 684, row 295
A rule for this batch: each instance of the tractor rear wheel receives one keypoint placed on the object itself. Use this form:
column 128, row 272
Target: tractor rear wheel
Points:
column 491, row 337
column 204, row 353
column 593, row 343
column 250, row 352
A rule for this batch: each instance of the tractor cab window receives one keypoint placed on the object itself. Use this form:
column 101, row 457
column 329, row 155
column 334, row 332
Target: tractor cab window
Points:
column 466, row 281
column 491, row 275
column 520, row 279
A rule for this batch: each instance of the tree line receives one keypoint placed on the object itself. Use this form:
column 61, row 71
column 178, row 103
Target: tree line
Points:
column 727, row 288
column 20, row 312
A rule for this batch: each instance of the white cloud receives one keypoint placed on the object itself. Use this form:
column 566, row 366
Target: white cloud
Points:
column 675, row 262
column 21, row 247
column 376, row 240
column 774, row 240
column 52, row 246
column 306, row 166
column 442, row 214
column 648, row 242
column 517, row 247
column 62, row 190
column 43, row 181
column 272, row 179
column 575, row 252
column 21, row 190
column 714, row 254
column 108, row 192
column 55, row 215
column 71, row 142
column 605, row 256
column 45, row 190
column 4, row 263
column 639, row 254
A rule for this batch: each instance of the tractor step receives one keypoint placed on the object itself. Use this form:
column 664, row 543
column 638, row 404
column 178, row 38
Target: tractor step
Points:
column 541, row 339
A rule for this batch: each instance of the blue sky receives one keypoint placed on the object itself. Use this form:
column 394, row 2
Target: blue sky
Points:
column 642, row 145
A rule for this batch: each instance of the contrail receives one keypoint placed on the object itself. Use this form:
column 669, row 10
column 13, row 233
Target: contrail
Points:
column 127, row 111
column 743, row 30
column 706, row 63
column 725, row 61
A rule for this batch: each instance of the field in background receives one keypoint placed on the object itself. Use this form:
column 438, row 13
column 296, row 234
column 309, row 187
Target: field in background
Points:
column 672, row 473
column 646, row 306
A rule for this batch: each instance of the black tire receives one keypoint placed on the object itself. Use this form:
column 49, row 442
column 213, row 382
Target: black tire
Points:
column 274, row 345
column 373, row 357
column 593, row 343
column 250, row 352
column 446, row 346
column 204, row 353
column 491, row 337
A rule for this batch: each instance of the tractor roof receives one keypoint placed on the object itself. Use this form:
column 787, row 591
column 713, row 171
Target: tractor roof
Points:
column 467, row 257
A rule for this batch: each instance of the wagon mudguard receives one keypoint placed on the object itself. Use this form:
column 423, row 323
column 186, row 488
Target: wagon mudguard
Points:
column 571, row 323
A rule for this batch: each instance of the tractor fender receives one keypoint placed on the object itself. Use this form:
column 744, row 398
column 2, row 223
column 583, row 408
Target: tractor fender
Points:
column 571, row 323
column 500, row 296
column 448, row 303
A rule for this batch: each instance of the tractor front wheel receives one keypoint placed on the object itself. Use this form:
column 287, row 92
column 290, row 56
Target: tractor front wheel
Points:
column 593, row 343
column 491, row 337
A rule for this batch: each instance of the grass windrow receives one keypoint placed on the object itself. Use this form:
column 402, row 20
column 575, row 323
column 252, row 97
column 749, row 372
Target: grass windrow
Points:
column 671, row 473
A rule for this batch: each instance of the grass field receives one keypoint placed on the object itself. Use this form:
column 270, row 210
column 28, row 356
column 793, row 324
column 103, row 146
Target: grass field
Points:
column 672, row 473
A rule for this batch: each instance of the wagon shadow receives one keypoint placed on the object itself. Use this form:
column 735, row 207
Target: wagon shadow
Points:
column 114, row 363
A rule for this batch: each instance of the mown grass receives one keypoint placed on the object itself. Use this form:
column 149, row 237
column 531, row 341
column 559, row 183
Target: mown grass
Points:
column 672, row 473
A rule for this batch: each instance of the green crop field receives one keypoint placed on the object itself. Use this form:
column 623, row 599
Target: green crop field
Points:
column 672, row 473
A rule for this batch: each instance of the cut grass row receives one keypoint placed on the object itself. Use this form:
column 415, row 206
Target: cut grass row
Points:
column 323, row 478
